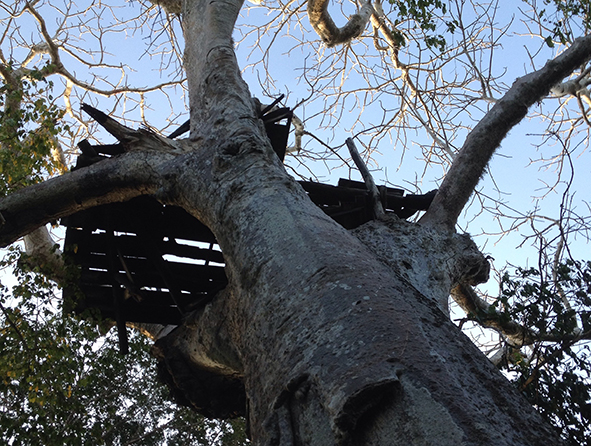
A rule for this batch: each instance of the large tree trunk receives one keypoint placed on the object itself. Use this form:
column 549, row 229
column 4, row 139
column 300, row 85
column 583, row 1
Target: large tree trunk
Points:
column 322, row 337
column 332, row 344
column 334, row 341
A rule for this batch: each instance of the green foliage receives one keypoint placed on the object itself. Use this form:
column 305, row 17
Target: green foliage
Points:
column 63, row 382
column 554, row 373
column 423, row 12
column 562, row 17
column 29, row 124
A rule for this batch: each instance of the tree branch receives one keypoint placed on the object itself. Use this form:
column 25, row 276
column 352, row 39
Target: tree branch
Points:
column 330, row 34
column 134, row 139
column 119, row 179
column 378, row 208
column 471, row 303
column 471, row 161
column 53, row 50
column 517, row 334
column 217, row 93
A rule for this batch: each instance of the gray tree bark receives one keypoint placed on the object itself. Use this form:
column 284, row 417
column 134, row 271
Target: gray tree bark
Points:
column 322, row 337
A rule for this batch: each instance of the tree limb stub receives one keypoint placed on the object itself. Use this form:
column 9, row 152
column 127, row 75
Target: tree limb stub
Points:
column 378, row 208
column 130, row 138
column 470, row 163
column 409, row 248
column 170, row 6
column 331, row 34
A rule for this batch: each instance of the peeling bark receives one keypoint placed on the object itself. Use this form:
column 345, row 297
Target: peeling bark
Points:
column 42, row 252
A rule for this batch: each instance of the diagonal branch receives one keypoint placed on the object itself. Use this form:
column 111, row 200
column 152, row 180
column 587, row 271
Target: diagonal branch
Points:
column 481, row 143
column 118, row 179
column 518, row 335
column 374, row 193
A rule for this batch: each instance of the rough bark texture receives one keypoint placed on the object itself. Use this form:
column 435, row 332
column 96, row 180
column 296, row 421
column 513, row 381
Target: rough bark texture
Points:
column 334, row 343
column 322, row 337
column 351, row 351
column 433, row 261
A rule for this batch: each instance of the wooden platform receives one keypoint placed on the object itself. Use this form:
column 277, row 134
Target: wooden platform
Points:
column 141, row 261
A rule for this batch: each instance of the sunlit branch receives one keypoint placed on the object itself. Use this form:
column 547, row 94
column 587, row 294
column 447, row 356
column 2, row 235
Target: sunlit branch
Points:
column 330, row 34
column 485, row 138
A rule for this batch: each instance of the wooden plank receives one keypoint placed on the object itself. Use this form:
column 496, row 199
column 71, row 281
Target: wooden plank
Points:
column 143, row 231
column 95, row 295
column 191, row 283
column 132, row 216
column 145, row 268
column 134, row 246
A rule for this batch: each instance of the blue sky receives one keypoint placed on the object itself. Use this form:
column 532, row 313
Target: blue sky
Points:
column 513, row 177
column 518, row 183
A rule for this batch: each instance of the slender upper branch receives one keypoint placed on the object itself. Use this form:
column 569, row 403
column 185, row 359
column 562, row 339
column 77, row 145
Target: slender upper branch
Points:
column 378, row 208
column 471, row 161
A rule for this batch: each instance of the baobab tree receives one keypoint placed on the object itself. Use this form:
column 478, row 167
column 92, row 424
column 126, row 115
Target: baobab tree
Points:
column 322, row 336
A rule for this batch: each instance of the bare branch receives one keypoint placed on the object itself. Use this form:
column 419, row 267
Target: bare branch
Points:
column 330, row 34
column 470, row 163
column 378, row 208
column 119, row 179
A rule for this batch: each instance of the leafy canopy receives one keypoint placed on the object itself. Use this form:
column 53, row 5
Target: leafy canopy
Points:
column 29, row 125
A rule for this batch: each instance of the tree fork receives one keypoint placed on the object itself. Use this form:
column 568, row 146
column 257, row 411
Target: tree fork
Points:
column 333, row 345
column 337, row 339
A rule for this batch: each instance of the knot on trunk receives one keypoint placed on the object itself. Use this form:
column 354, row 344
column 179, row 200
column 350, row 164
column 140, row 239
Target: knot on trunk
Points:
column 431, row 261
